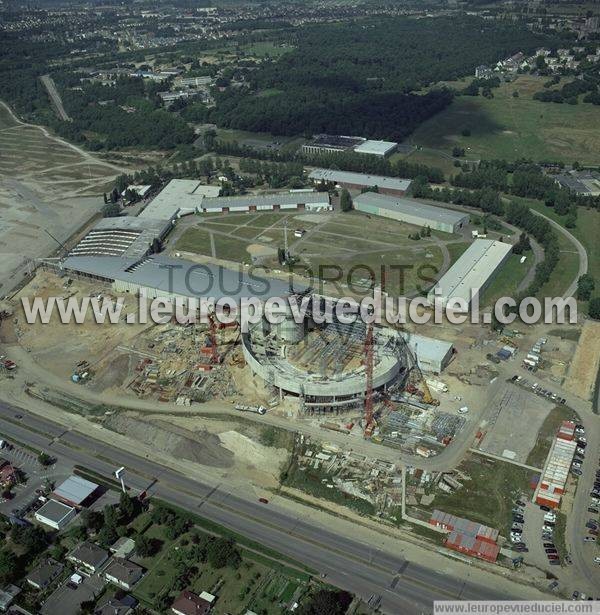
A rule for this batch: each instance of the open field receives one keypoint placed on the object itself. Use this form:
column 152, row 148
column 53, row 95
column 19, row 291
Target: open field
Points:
column 46, row 184
column 583, row 369
column 586, row 230
column 507, row 279
column 510, row 128
column 489, row 494
column 340, row 248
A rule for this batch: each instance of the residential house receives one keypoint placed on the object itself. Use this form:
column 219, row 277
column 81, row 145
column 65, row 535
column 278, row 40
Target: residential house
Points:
column 44, row 574
column 89, row 556
column 189, row 603
column 123, row 573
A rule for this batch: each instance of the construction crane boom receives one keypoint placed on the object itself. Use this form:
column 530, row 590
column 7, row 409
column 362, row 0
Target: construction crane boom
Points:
column 369, row 359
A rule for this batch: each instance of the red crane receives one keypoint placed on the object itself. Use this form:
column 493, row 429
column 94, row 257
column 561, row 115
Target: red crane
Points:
column 214, row 355
column 369, row 423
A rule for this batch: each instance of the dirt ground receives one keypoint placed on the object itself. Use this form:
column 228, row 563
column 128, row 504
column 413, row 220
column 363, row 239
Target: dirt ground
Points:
column 211, row 442
column 583, row 369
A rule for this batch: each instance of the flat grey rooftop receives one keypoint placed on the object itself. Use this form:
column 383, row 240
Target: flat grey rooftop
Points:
column 267, row 200
column 174, row 276
column 348, row 177
column 411, row 207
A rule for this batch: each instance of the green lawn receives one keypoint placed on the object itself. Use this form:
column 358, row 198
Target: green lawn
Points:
column 457, row 248
column 310, row 481
column 511, row 128
column 489, row 496
column 507, row 279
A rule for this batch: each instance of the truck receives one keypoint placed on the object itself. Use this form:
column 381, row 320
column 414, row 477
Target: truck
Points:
column 255, row 409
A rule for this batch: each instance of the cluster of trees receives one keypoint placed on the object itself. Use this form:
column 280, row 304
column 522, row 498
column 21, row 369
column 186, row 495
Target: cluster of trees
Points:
column 276, row 175
column 520, row 215
column 357, row 78
column 523, row 245
column 525, row 179
column 585, row 287
column 345, row 200
column 569, row 93
column 486, row 199
column 485, row 85
column 424, row 232
column 326, row 602
column 346, row 161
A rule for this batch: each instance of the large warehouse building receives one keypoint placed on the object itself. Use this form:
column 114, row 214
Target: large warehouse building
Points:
column 172, row 278
column 472, row 272
column 394, row 186
column 411, row 212
column 184, row 196
column 309, row 201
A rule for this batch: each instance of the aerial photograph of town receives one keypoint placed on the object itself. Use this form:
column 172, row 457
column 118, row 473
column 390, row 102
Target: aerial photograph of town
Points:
column 299, row 307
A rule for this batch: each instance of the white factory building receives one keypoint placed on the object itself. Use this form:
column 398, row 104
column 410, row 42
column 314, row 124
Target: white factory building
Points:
column 411, row 212
column 432, row 355
column 472, row 272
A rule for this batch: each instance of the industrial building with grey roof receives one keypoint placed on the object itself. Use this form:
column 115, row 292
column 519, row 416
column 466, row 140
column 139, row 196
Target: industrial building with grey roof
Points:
column 411, row 212
column 350, row 180
column 173, row 278
column 472, row 272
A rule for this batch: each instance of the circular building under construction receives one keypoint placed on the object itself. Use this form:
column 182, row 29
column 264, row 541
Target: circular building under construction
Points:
column 324, row 365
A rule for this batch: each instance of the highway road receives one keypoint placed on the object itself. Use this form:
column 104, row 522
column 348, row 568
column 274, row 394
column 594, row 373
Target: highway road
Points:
column 404, row 586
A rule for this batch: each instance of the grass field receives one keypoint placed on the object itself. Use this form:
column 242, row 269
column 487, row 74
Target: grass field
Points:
column 588, row 223
column 344, row 246
column 511, row 128
column 507, row 280
column 490, row 494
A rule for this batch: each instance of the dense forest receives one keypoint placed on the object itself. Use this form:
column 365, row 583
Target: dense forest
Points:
column 360, row 77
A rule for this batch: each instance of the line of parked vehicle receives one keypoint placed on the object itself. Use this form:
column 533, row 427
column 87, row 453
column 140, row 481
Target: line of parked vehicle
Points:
column 536, row 388
column 516, row 530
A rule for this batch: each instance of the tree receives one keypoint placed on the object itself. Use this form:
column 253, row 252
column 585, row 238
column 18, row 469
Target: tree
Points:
column 223, row 552
column 594, row 308
column 585, row 287
column 44, row 459
column 127, row 507
column 145, row 547
column 32, row 538
column 345, row 200
column 8, row 563
column 326, row 602
column 92, row 519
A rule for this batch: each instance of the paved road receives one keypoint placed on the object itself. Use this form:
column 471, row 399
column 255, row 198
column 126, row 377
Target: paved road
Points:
column 583, row 553
column 583, row 257
column 405, row 586
column 55, row 97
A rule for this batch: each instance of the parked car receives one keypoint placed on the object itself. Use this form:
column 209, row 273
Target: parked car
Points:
column 545, row 508
column 549, row 545
column 589, row 539
column 576, row 471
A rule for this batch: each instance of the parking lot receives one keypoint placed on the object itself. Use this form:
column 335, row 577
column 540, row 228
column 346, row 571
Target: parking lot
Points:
column 36, row 479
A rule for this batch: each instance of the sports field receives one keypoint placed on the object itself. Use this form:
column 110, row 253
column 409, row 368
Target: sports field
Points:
column 512, row 127
column 343, row 249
